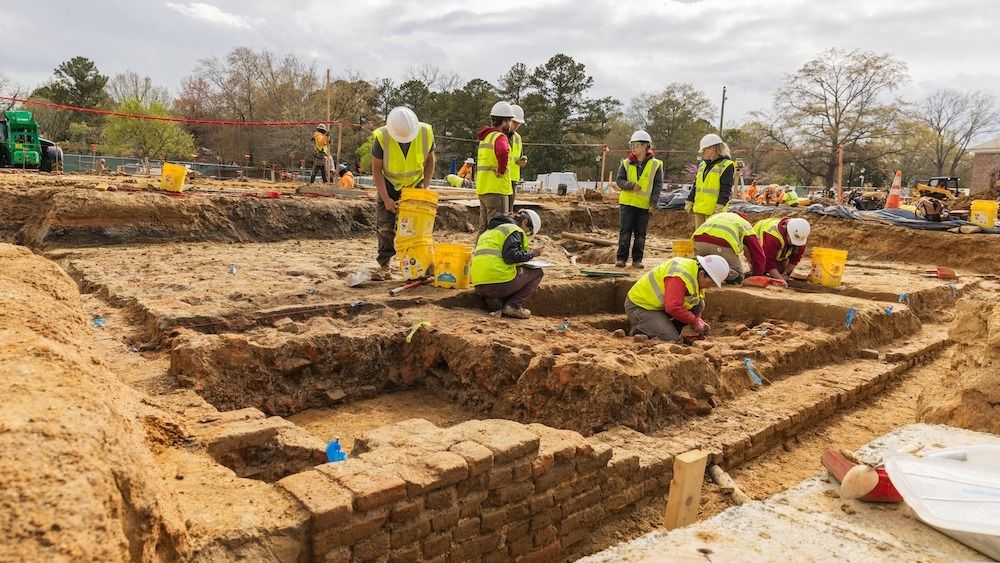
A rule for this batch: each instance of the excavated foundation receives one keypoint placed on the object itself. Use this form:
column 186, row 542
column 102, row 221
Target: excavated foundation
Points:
column 570, row 366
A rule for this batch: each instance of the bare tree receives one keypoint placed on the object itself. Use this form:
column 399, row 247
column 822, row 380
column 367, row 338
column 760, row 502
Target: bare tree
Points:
column 433, row 77
column 10, row 89
column 675, row 117
column 130, row 86
column 956, row 119
column 835, row 100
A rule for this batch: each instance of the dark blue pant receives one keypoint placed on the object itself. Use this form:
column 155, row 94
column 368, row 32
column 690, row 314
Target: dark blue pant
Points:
column 632, row 222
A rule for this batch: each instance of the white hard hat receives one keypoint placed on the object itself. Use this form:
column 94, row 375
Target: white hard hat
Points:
column 536, row 220
column 518, row 113
column 321, row 127
column 716, row 267
column 501, row 109
column 402, row 124
column 709, row 140
column 798, row 231
column 641, row 136
column 470, row 161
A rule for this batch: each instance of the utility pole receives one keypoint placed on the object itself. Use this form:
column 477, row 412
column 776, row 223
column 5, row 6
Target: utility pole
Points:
column 840, row 175
column 328, row 96
column 722, row 112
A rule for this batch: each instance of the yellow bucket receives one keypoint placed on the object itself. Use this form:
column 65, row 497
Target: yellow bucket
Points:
column 683, row 248
column 416, row 261
column 451, row 265
column 828, row 266
column 984, row 213
column 172, row 179
column 415, row 216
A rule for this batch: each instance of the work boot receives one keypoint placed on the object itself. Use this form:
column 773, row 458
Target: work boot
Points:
column 620, row 264
column 517, row 313
column 383, row 273
column 636, row 265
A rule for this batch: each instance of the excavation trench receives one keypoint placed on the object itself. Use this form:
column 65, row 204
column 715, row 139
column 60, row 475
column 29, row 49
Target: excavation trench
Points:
column 584, row 375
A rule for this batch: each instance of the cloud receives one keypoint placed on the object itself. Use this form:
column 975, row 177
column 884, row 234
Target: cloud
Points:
column 211, row 14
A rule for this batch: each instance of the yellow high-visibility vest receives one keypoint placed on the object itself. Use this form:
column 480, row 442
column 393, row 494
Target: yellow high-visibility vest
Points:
column 706, row 188
column 405, row 171
column 648, row 291
column 488, row 265
column 770, row 227
column 487, row 182
column 516, row 149
column 641, row 197
column 730, row 227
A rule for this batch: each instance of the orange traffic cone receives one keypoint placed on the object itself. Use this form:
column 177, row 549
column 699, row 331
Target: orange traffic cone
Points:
column 895, row 192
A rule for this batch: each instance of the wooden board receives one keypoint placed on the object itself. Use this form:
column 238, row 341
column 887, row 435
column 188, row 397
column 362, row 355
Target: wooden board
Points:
column 685, row 489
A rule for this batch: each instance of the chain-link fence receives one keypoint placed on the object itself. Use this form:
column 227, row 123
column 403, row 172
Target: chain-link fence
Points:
column 129, row 165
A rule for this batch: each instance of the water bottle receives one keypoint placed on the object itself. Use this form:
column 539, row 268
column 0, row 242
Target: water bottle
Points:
column 333, row 451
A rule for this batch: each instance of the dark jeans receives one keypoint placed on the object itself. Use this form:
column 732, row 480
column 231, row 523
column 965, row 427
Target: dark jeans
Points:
column 632, row 222
column 514, row 292
column 319, row 165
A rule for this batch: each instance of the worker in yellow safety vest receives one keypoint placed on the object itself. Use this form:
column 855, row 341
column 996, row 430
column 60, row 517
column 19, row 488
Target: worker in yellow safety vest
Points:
column 790, row 198
column 672, row 295
column 517, row 157
column 497, row 271
column 784, row 243
column 321, row 149
column 730, row 235
column 640, row 178
column 713, row 183
column 402, row 157
column 493, row 165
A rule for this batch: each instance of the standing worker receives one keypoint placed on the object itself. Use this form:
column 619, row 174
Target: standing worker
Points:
column 714, row 182
column 517, row 158
column 402, row 157
column 729, row 235
column 672, row 295
column 784, row 243
column 496, row 269
column 321, row 148
column 346, row 177
column 492, row 172
column 640, row 178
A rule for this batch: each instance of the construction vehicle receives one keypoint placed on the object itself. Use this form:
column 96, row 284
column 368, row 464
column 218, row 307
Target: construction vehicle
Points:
column 939, row 187
column 20, row 144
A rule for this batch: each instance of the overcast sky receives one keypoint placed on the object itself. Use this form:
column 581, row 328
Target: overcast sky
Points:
column 628, row 47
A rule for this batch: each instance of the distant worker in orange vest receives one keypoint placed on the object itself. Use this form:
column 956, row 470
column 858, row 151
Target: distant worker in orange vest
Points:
column 751, row 191
column 346, row 177
column 466, row 170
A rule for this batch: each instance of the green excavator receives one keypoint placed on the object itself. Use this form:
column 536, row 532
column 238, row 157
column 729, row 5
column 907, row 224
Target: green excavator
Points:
column 20, row 144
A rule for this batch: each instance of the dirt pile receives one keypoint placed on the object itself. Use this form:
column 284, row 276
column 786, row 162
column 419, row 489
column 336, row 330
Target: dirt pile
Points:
column 968, row 394
column 79, row 482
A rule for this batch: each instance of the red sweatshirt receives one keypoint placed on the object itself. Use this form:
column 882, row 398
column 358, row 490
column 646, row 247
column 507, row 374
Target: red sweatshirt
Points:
column 754, row 251
column 501, row 147
column 772, row 246
column 674, row 291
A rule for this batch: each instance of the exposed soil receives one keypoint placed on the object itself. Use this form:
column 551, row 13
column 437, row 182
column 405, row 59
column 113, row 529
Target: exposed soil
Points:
column 145, row 417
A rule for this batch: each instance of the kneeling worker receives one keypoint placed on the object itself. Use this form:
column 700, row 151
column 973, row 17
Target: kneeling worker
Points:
column 728, row 235
column 496, row 269
column 672, row 295
column 784, row 243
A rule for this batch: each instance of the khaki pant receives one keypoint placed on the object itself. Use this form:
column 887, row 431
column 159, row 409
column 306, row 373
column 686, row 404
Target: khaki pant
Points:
column 699, row 219
column 490, row 205
column 655, row 324
column 736, row 271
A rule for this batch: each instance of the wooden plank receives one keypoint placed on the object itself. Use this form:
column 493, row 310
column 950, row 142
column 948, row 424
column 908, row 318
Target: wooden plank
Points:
column 685, row 489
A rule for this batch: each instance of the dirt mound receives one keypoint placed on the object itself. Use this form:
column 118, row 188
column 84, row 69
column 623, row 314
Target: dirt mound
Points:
column 968, row 395
column 79, row 482
column 965, row 202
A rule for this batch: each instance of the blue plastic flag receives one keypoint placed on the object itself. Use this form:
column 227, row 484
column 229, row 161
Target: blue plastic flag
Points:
column 852, row 314
column 751, row 372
